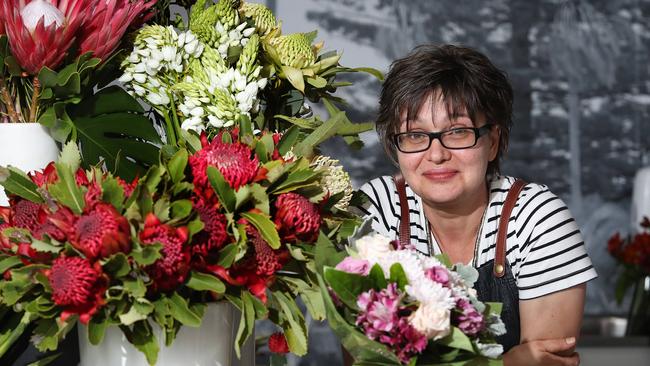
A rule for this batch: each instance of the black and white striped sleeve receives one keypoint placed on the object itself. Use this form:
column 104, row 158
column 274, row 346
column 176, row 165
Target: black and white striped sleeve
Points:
column 552, row 252
column 379, row 206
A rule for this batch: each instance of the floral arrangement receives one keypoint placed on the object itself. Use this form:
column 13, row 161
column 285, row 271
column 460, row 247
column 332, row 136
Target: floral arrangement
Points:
column 395, row 306
column 48, row 49
column 633, row 253
column 237, row 220
column 198, row 180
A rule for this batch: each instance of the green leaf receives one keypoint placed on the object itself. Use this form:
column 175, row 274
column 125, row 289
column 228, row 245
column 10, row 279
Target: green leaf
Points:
column 347, row 286
column 224, row 191
column 45, row 360
column 44, row 247
column 96, row 330
column 17, row 182
column 205, row 282
column 288, row 140
column 278, row 360
column 181, row 312
column 369, row 70
column 132, row 316
column 296, row 332
column 457, row 339
column 265, row 226
column 494, row 307
column 326, row 254
column 66, row 190
column 323, row 132
column 117, row 265
column 295, row 77
column 297, row 179
column 148, row 254
column 246, row 322
column 317, row 81
column 9, row 263
column 111, row 127
column 113, row 193
column 70, row 156
column 141, row 336
column 177, row 164
column 181, row 209
column 135, row 287
column 377, row 277
column 398, row 276
column 227, row 255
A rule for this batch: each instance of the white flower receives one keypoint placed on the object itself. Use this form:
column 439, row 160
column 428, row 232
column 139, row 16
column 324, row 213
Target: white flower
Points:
column 432, row 321
column 193, row 123
column 429, row 292
column 196, row 112
column 36, row 10
column 126, row 77
column 158, row 98
column 372, row 247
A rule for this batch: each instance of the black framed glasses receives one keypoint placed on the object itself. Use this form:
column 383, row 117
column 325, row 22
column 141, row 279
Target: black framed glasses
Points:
column 454, row 139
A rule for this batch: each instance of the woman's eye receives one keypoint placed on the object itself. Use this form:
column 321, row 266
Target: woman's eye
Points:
column 415, row 137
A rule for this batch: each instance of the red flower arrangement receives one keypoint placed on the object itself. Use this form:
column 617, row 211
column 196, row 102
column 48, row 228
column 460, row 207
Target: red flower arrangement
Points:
column 634, row 254
column 231, row 221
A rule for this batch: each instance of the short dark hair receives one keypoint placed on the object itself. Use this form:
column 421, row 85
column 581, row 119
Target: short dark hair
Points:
column 467, row 81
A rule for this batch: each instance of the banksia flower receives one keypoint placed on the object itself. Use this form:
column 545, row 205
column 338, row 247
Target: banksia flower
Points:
column 335, row 180
column 294, row 50
column 297, row 218
column 262, row 17
column 235, row 161
column 78, row 286
column 41, row 33
column 170, row 271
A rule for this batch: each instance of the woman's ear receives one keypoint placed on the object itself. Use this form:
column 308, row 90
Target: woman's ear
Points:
column 495, row 138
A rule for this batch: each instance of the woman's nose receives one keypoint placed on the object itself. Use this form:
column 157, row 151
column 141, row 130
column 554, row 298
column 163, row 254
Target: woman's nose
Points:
column 438, row 153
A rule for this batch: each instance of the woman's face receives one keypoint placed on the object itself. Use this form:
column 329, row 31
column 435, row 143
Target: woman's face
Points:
column 444, row 177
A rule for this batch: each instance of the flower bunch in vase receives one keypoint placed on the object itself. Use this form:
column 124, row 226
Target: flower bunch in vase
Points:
column 48, row 49
column 236, row 221
column 396, row 306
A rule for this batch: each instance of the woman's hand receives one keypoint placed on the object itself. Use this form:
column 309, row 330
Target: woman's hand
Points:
column 549, row 352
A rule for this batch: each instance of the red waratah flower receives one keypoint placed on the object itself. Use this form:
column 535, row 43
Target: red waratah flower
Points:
column 78, row 286
column 235, row 161
column 297, row 218
column 615, row 244
column 101, row 232
column 278, row 343
column 170, row 271
column 267, row 260
column 41, row 32
column 108, row 23
column 207, row 242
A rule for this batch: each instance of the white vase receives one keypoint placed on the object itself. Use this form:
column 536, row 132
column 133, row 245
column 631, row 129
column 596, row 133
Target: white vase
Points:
column 640, row 206
column 27, row 146
column 209, row 345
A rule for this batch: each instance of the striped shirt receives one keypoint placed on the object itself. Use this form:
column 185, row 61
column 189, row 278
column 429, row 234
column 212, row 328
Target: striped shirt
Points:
column 544, row 245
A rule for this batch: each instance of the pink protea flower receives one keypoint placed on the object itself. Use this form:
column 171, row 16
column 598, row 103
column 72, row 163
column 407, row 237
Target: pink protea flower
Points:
column 41, row 32
column 170, row 271
column 467, row 318
column 236, row 162
column 108, row 23
column 297, row 218
column 101, row 232
column 78, row 286
column 353, row 265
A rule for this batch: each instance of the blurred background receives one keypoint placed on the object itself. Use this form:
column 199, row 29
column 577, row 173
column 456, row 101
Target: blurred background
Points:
column 581, row 75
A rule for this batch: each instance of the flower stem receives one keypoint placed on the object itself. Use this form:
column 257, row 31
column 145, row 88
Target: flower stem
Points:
column 177, row 132
column 35, row 96
column 169, row 129
column 6, row 99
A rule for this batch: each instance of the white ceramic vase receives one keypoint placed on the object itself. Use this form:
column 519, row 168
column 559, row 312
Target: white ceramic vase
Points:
column 209, row 345
column 640, row 206
column 27, row 146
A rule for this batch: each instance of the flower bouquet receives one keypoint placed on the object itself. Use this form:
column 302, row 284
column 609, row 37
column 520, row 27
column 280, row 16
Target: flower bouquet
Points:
column 395, row 306
column 633, row 254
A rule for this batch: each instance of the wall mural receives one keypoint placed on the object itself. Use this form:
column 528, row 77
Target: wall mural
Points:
column 580, row 71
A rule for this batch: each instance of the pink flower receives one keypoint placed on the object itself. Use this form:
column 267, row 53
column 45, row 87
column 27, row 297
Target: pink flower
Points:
column 353, row 265
column 468, row 320
column 438, row 274
column 108, row 23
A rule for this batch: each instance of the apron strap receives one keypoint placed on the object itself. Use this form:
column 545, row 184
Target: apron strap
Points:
column 502, row 232
column 404, row 224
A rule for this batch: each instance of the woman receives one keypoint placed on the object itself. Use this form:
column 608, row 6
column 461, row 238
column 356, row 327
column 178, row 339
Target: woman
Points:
column 444, row 119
